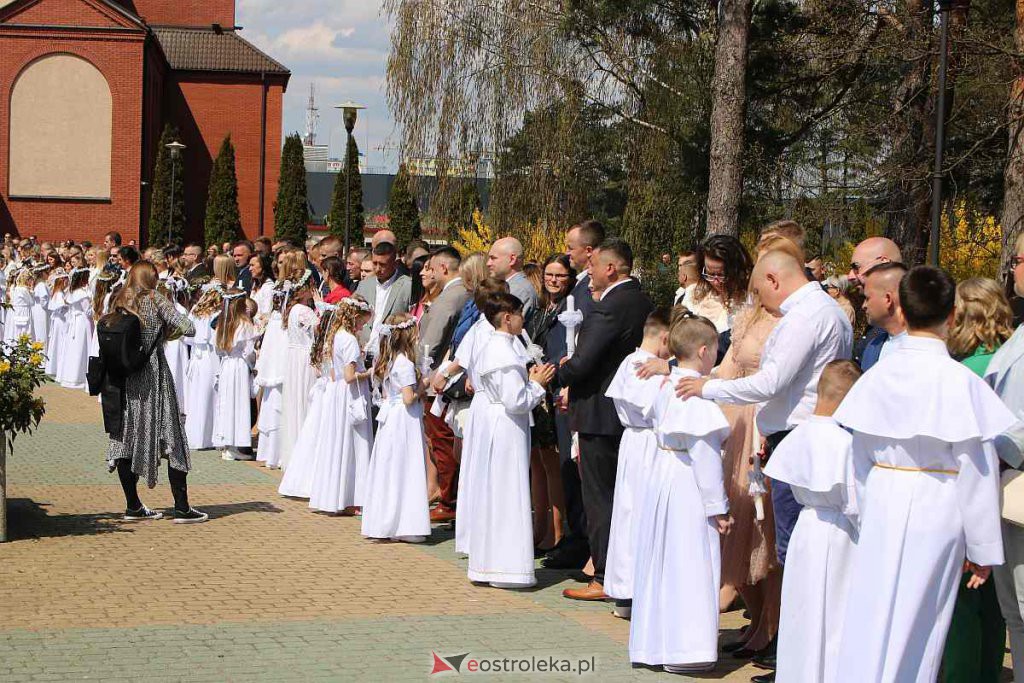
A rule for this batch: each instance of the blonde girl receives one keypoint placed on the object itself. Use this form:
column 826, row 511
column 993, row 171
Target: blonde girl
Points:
column 73, row 360
column 236, row 347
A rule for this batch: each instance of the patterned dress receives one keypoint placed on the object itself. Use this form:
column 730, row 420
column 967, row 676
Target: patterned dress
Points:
column 153, row 428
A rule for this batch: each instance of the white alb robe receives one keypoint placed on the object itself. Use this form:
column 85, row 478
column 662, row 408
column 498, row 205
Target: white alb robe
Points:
column 40, row 312
column 176, row 354
column 678, row 554
column 200, row 384
column 18, row 319
column 232, row 417
column 501, row 539
column 928, row 492
column 270, row 369
column 639, row 446
column 58, row 331
column 816, row 460
column 73, row 362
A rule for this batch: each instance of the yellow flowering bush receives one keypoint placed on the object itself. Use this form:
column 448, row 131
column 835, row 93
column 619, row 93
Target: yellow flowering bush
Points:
column 970, row 243
column 479, row 237
column 21, row 373
column 540, row 240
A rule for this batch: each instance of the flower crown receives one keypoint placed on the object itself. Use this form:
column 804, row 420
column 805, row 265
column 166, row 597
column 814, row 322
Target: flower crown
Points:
column 387, row 330
column 357, row 303
column 76, row 271
column 324, row 307
column 104, row 276
column 213, row 286
column 40, row 269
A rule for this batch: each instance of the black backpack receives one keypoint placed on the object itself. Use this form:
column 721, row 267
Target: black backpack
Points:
column 122, row 351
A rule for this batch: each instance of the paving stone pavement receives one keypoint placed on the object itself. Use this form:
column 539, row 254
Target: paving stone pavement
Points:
column 266, row 591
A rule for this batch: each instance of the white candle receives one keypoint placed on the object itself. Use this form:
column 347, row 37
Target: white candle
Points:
column 570, row 330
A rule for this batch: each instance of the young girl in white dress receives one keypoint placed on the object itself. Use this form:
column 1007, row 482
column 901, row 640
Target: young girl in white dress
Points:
column 18, row 318
column 299, row 323
column 342, row 453
column 41, row 298
column 396, row 504
column 74, row 353
column 58, row 321
column 501, row 540
column 175, row 350
column 204, row 363
column 236, row 347
column 297, row 481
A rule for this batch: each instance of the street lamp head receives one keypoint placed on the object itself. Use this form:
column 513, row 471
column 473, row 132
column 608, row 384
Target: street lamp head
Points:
column 349, row 111
column 175, row 147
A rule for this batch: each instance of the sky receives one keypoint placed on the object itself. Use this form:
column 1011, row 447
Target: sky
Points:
column 340, row 46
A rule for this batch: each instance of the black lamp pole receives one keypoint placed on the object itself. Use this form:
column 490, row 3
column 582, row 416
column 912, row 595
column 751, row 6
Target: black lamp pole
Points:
column 350, row 123
column 940, row 131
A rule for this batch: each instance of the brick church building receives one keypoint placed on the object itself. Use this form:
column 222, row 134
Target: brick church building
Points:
column 86, row 87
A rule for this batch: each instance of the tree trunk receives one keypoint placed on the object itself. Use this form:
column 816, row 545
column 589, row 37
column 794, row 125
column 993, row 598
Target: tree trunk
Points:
column 728, row 112
column 1013, row 178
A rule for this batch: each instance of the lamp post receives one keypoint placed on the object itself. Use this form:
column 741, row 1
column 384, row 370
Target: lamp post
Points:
column 349, row 112
column 175, row 148
column 945, row 6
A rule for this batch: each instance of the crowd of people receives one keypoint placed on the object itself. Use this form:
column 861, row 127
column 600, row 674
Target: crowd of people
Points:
column 826, row 449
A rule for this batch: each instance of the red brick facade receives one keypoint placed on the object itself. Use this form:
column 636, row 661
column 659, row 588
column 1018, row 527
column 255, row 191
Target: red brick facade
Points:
column 145, row 93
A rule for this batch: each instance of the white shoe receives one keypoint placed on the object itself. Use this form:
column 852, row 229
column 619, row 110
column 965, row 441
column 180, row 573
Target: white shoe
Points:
column 409, row 539
column 623, row 611
column 226, row 455
column 512, row 586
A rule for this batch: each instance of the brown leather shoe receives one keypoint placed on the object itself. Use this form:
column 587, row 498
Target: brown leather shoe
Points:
column 441, row 514
column 593, row 591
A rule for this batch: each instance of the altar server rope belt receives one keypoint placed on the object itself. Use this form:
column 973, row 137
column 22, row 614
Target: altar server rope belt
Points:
column 916, row 469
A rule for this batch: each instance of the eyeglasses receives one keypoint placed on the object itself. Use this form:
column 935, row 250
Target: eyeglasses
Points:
column 1016, row 260
column 856, row 267
column 557, row 276
column 716, row 277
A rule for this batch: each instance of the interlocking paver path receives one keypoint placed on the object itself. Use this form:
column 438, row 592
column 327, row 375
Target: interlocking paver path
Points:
column 267, row 590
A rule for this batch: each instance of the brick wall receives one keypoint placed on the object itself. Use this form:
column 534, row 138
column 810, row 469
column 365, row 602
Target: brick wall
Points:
column 184, row 12
column 119, row 57
column 207, row 108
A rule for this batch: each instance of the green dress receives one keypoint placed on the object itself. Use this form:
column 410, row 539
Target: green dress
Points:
column 977, row 634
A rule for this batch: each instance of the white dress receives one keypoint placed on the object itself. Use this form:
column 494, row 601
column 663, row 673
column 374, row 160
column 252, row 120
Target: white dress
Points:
column 270, row 369
column 501, row 539
column 346, row 435
column 264, row 298
column 639, row 446
column 928, row 493
column 200, row 383
column 40, row 312
column 176, row 353
column 232, row 417
column 816, row 460
column 396, row 504
column 298, row 475
column 58, row 331
column 298, row 378
column 73, row 355
column 18, row 319
column 678, row 554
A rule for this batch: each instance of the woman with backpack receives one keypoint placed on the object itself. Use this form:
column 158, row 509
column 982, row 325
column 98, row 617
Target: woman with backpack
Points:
column 151, row 427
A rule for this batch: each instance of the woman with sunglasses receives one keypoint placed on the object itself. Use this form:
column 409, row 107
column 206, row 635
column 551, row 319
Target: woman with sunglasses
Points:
column 725, row 268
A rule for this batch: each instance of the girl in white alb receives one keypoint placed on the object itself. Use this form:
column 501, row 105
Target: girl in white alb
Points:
column 58, row 322
column 176, row 350
column 40, row 311
column 270, row 369
column 297, row 481
column 342, row 453
column 396, row 504
column 236, row 346
column 74, row 353
column 299, row 325
column 18, row 319
column 203, row 368
column 501, row 540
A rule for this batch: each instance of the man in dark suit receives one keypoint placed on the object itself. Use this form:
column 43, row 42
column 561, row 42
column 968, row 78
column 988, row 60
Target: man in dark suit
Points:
column 611, row 331
column 241, row 252
column 581, row 242
column 193, row 263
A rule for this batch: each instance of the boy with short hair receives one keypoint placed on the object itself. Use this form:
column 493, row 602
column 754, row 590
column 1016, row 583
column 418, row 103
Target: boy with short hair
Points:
column 682, row 513
column 632, row 397
column 816, row 461
column 928, row 491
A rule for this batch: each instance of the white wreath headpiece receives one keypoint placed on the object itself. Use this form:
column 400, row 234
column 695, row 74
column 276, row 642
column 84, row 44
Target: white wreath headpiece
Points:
column 387, row 330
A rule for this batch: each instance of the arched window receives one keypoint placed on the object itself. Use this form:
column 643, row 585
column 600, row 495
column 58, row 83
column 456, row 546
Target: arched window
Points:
column 60, row 134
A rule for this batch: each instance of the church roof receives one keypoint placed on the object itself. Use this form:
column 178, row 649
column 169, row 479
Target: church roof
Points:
column 191, row 49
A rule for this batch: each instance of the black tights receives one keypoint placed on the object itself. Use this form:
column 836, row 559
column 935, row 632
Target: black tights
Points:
column 130, row 483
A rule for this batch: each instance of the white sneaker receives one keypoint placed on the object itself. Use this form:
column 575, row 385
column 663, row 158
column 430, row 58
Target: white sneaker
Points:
column 226, row 455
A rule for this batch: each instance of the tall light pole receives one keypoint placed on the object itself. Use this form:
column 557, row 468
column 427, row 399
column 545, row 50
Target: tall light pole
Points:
column 945, row 6
column 349, row 112
column 176, row 148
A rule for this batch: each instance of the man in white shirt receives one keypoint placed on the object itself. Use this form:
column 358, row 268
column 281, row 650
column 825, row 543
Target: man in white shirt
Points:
column 812, row 332
column 505, row 262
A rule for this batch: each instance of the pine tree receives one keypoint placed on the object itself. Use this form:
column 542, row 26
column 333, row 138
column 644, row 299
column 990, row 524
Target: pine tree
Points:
column 291, row 210
column 223, row 222
column 403, row 213
column 351, row 175
column 160, row 232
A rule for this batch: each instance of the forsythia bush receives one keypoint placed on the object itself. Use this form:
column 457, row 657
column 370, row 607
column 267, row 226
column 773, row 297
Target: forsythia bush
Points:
column 539, row 240
column 970, row 247
column 479, row 237
column 21, row 373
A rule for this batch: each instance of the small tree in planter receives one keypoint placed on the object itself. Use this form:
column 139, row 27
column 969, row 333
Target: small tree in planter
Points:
column 21, row 373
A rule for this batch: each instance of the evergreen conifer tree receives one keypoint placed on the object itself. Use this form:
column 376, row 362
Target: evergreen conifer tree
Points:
column 161, row 230
column 291, row 210
column 403, row 213
column 223, row 222
column 351, row 175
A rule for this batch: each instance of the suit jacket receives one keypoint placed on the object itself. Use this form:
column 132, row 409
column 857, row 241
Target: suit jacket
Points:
column 438, row 323
column 613, row 330
column 876, row 338
column 197, row 272
column 521, row 288
column 582, row 297
column 398, row 299
column 244, row 280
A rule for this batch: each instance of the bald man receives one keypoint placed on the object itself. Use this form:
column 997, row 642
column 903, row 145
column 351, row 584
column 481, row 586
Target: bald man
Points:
column 812, row 332
column 870, row 253
column 882, row 307
column 505, row 262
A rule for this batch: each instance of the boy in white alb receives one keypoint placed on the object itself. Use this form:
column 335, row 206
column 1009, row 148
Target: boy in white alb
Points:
column 927, row 488
column 681, row 514
column 632, row 397
column 816, row 460
column 501, row 537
